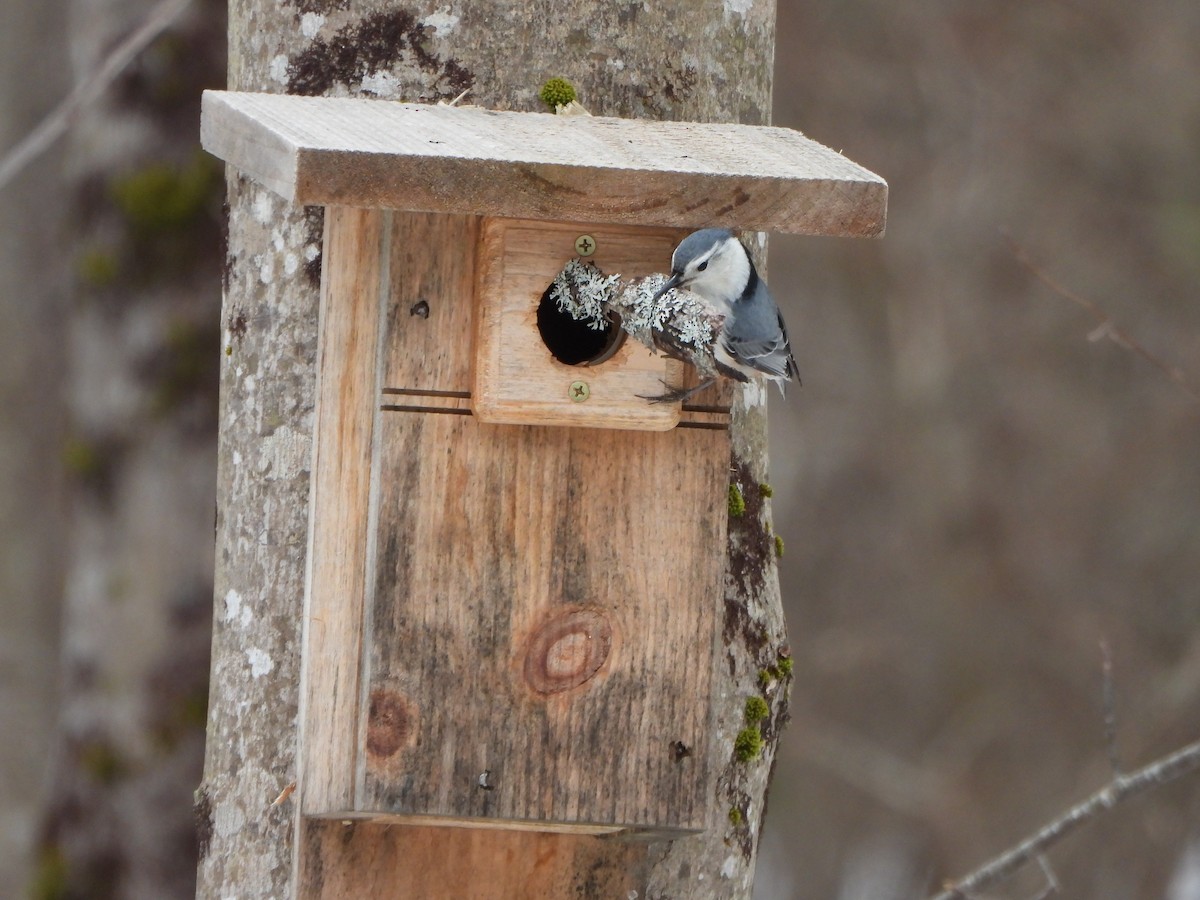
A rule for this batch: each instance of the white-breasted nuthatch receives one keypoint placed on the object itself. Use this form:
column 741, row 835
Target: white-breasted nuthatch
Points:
column 752, row 341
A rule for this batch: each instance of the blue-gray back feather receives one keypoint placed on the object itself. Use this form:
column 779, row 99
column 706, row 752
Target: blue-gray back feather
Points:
column 757, row 335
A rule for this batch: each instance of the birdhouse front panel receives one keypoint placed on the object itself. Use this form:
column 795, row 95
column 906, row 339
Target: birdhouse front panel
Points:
column 537, row 604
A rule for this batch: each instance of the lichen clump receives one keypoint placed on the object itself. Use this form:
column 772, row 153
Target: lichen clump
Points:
column 557, row 92
column 677, row 322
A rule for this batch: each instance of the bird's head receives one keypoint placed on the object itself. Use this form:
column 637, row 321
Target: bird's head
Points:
column 712, row 263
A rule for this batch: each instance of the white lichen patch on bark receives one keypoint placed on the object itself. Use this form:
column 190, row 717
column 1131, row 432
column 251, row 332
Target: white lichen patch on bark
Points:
column 310, row 24
column 443, row 22
column 260, row 662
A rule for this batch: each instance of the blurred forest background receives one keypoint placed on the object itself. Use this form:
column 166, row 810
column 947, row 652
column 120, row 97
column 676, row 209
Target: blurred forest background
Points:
column 974, row 494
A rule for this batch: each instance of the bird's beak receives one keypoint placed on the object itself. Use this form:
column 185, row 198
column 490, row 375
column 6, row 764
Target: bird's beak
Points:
column 672, row 283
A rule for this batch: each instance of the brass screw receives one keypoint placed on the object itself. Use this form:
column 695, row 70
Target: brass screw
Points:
column 579, row 391
column 585, row 245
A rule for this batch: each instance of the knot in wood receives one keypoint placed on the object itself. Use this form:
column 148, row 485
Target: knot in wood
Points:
column 389, row 722
column 567, row 650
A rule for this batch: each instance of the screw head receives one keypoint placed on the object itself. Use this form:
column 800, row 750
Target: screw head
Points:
column 585, row 245
column 579, row 391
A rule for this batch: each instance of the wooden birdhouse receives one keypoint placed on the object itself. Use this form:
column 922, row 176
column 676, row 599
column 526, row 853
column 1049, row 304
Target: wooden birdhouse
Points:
column 515, row 561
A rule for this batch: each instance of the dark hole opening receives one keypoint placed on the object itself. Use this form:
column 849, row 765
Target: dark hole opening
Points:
column 573, row 342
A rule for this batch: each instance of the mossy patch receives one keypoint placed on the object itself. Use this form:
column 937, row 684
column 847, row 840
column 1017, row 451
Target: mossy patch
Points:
column 756, row 710
column 97, row 268
column 557, row 92
column 161, row 197
column 737, row 502
column 100, row 760
column 748, row 744
column 81, row 457
column 184, row 368
column 751, row 544
column 50, row 876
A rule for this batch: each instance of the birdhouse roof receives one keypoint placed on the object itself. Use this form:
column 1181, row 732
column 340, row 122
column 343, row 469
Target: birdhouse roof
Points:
column 384, row 154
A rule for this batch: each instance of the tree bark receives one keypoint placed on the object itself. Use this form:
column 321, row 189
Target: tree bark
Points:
column 140, row 256
column 32, row 69
column 672, row 60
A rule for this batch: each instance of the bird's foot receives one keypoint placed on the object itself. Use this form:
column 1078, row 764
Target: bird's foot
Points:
column 678, row 395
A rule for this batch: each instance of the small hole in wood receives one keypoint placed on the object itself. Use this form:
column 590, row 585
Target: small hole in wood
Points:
column 572, row 342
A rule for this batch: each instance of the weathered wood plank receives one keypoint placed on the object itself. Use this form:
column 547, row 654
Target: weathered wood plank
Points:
column 430, row 314
column 544, row 611
column 526, row 589
column 361, row 859
column 347, row 358
column 355, row 152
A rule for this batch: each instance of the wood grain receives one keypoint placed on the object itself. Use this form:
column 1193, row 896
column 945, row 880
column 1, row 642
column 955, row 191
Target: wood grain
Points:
column 429, row 310
column 370, row 860
column 355, row 152
column 339, row 536
column 488, row 537
column 494, row 599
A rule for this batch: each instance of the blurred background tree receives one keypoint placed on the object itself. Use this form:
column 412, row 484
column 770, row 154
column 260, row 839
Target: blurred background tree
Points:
column 33, row 76
column 114, row 298
column 973, row 495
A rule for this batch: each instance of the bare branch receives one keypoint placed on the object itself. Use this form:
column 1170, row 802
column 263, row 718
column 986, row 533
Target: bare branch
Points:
column 1122, row 787
column 1105, row 326
column 87, row 91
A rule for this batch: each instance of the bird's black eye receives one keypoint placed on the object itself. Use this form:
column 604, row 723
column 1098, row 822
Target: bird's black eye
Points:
column 702, row 266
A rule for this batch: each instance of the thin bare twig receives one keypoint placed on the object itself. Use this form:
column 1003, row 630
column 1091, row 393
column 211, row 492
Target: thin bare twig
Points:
column 88, row 90
column 1105, row 326
column 1122, row 787
column 1109, row 692
column 1052, row 885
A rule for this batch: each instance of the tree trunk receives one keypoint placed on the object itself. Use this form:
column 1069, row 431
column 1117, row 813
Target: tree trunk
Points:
column 32, row 66
column 141, row 345
column 673, row 61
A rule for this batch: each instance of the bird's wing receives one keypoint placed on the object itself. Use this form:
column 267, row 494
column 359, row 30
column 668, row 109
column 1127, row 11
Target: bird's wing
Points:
column 771, row 355
column 792, row 370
